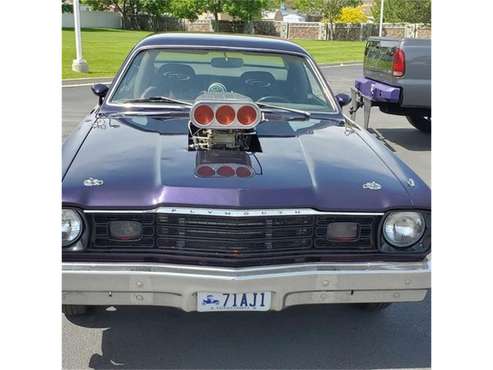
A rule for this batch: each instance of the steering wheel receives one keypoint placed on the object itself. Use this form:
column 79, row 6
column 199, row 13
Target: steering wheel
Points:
column 273, row 99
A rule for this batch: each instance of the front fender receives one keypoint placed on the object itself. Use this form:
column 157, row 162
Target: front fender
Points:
column 74, row 141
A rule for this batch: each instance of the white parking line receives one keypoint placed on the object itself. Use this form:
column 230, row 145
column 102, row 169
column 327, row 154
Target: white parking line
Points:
column 341, row 65
column 87, row 84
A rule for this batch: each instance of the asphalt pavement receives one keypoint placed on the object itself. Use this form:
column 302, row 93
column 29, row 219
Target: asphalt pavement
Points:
column 306, row 337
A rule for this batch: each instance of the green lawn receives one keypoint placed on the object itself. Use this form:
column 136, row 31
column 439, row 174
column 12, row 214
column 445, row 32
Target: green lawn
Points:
column 334, row 51
column 105, row 49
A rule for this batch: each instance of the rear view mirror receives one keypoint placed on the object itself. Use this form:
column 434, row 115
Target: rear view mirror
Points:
column 343, row 99
column 226, row 62
column 100, row 90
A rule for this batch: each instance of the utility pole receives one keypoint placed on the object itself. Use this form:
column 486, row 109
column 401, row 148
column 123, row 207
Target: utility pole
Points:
column 381, row 19
column 78, row 64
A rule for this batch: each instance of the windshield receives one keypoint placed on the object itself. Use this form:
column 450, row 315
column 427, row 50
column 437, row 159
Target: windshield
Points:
column 281, row 79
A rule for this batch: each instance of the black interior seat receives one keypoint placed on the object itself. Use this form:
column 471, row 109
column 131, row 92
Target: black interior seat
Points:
column 174, row 80
column 258, row 84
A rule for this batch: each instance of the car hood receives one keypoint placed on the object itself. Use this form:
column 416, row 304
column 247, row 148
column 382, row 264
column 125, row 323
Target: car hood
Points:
column 323, row 166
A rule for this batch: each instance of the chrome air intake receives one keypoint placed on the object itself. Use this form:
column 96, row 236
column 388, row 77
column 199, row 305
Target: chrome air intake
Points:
column 224, row 121
column 225, row 111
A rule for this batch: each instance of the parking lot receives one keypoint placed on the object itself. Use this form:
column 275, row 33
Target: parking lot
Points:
column 335, row 337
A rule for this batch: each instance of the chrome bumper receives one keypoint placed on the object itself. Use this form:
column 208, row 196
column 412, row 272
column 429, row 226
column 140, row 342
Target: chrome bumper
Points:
column 177, row 286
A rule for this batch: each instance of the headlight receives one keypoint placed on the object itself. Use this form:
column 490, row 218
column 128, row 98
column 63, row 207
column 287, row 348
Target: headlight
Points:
column 71, row 226
column 403, row 229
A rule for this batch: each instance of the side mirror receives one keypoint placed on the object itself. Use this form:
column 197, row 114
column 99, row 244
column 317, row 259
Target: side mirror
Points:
column 100, row 90
column 343, row 99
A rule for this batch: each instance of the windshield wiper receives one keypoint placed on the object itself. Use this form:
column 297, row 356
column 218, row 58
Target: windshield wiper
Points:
column 302, row 112
column 157, row 99
column 144, row 113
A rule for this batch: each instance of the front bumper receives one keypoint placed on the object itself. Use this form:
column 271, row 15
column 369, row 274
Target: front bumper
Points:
column 177, row 286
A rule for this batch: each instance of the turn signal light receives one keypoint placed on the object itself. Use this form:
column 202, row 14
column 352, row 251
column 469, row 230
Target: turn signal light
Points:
column 342, row 231
column 125, row 230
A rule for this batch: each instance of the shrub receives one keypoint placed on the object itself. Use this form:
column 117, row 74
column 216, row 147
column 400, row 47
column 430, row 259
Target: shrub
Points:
column 352, row 15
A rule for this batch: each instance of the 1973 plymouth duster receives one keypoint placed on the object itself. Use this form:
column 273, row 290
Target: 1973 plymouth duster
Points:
column 218, row 173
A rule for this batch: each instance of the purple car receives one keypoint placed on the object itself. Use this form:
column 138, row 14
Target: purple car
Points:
column 223, row 165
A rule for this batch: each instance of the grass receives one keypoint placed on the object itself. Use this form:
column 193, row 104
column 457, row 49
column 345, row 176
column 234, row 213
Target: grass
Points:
column 105, row 49
column 325, row 52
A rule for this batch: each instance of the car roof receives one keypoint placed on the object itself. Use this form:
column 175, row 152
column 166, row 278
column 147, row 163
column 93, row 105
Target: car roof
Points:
column 221, row 40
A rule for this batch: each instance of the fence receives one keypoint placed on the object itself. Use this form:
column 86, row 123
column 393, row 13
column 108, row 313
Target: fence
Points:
column 302, row 30
column 307, row 30
column 353, row 32
column 144, row 22
column 93, row 20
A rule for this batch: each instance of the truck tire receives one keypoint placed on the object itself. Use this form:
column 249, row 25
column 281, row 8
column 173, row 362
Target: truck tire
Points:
column 374, row 306
column 422, row 123
column 73, row 310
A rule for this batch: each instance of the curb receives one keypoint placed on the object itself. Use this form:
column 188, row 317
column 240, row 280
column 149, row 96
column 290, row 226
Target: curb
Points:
column 86, row 82
column 86, row 79
column 76, row 82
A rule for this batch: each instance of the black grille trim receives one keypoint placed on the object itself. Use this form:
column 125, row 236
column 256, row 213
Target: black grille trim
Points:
column 234, row 235
column 220, row 261
column 232, row 240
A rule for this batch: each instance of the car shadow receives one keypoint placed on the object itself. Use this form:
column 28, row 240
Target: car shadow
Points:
column 315, row 336
column 408, row 138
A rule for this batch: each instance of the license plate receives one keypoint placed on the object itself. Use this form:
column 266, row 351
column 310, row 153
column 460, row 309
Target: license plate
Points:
column 251, row 301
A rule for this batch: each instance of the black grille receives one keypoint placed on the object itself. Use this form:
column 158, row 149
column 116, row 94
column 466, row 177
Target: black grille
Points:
column 233, row 237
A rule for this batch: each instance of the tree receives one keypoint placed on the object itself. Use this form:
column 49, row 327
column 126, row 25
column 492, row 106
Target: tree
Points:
column 248, row 10
column 352, row 15
column 188, row 9
column 67, row 8
column 155, row 9
column 403, row 11
column 215, row 7
column 126, row 8
column 328, row 9
column 130, row 8
column 290, row 4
